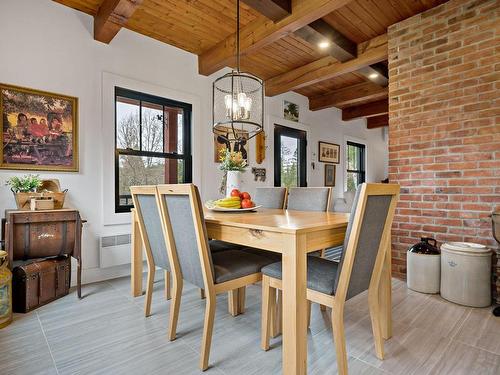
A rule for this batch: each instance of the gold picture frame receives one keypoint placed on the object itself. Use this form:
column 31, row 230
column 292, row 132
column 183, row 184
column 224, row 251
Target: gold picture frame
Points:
column 39, row 130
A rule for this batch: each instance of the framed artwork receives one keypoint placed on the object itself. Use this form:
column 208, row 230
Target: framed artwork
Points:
column 328, row 152
column 290, row 111
column 221, row 143
column 330, row 175
column 40, row 130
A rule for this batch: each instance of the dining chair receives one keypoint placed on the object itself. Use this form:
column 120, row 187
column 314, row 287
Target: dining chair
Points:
column 191, row 259
column 148, row 216
column 309, row 198
column 271, row 197
column 331, row 283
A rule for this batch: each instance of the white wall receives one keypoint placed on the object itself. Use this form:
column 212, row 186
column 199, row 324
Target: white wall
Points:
column 50, row 47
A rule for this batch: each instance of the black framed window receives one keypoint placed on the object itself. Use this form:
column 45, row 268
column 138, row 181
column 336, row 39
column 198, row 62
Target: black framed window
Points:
column 152, row 143
column 355, row 165
column 290, row 149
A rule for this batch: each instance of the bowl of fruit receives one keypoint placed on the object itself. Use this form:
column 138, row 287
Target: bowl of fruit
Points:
column 237, row 202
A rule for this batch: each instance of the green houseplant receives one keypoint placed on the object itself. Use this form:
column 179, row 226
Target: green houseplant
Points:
column 24, row 189
column 24, row 184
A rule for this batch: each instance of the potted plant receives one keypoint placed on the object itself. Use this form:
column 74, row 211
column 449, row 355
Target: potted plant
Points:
column 233, row 164
column 24, row 188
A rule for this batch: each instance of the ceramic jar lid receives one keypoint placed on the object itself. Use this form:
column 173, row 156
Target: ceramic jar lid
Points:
column 465, row 247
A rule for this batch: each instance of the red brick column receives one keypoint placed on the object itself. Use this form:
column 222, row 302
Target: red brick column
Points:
column 444, row 132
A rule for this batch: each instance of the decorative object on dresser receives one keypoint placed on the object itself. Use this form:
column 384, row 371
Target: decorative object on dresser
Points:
column 330, row 175
column 41, row 234
column 38, row 282
column 40, row 130
column 31, row 187
column 328, row 152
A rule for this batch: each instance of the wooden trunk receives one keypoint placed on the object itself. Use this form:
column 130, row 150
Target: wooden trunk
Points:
column 42, row 234
column 36, row 283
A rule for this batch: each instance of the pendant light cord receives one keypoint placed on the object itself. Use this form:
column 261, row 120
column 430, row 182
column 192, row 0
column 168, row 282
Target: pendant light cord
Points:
column 238, row 35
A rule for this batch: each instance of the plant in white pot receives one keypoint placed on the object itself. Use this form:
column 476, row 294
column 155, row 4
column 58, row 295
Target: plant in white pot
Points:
column 233, row 164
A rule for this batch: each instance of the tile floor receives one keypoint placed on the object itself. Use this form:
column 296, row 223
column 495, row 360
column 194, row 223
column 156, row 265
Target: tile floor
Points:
column 106, row 333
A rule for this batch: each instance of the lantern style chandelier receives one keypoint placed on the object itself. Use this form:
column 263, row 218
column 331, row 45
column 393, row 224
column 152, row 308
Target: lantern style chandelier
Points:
column 238, row 100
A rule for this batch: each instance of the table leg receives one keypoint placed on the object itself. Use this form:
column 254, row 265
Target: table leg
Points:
column 385, row 294
column 294, row 306
column 136, row 261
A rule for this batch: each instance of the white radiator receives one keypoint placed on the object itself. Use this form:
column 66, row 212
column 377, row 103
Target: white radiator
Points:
column 114, row 250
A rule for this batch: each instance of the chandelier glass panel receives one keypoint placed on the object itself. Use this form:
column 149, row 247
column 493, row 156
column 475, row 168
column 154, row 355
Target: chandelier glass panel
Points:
column 238, row 101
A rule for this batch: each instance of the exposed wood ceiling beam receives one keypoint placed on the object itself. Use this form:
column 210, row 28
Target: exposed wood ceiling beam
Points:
column 348, row 96
column 111, row 16
column 341, row 48
column 263, row 32
column 275, row 10
column 377, row 122
column 366, row 110
column 328, row 67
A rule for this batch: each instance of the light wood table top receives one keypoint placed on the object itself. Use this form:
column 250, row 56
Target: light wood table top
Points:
column 278, row 220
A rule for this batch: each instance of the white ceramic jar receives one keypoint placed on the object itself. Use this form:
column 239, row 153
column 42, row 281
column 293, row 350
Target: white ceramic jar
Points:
column 423, row 272
column 466, row 273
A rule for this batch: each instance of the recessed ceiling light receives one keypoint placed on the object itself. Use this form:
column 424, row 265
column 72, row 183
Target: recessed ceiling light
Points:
column 373, row 75
column 324, row 44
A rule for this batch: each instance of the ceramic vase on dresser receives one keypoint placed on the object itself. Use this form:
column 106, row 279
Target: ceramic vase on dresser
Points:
column 233, row 181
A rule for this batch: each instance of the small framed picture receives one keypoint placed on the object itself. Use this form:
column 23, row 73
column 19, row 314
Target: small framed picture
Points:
column 290, row 111
column 330, row 175
column 328, row 152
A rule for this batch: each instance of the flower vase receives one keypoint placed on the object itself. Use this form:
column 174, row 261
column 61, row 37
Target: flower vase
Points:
column 233, row 181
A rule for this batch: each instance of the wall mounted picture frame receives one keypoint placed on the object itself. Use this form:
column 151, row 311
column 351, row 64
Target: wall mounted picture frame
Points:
column 291, row 111
column 330, row 175
column 40, row 130
column 221, row 143
column 328, row 152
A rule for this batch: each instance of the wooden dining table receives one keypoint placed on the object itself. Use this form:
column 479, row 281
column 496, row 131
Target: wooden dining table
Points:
column 293, row 234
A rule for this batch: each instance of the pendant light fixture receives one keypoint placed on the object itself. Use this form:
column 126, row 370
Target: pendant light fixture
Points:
column 238, row 100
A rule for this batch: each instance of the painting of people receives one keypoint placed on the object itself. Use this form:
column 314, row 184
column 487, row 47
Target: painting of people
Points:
column 40, row 130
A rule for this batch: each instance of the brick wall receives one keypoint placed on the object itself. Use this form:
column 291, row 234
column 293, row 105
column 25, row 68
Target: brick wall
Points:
column 444, row 128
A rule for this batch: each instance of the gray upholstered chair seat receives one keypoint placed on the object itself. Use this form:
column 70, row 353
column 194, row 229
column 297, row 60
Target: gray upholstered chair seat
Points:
column 232, row 264
column 216, row 245
column 274, row 257
column 321, row 273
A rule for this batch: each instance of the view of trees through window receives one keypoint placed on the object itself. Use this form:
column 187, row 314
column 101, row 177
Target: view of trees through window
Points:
column 289, row 162
column 355, row 165
column 149, row 145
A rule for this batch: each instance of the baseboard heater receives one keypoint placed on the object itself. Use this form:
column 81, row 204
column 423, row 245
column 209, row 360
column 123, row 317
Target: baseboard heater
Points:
column 114, row 250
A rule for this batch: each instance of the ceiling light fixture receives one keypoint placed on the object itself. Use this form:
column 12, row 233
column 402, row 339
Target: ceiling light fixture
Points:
column 373, row 75
column 238, row 100
column 324, row 44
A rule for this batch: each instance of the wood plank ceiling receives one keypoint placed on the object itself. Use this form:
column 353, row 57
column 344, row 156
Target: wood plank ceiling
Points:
column 280, row 42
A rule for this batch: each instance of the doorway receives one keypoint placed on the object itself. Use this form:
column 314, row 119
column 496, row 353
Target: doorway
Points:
column 290, row 150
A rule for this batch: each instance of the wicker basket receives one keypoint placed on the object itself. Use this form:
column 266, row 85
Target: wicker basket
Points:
column 23, row 200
